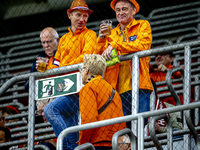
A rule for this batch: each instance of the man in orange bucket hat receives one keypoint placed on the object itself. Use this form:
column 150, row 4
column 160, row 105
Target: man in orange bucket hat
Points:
column 63, row 111
column 129, row 36
column 80, row 40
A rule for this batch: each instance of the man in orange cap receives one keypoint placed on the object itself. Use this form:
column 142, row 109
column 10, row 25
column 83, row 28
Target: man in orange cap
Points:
column 128, row 37
column 63, row 111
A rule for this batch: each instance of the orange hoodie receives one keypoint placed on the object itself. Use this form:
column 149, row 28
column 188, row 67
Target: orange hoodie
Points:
column 91, row 98
column 136, row 37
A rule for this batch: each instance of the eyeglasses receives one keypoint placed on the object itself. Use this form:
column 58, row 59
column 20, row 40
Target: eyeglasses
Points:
column 81, row 68
column 48, row 42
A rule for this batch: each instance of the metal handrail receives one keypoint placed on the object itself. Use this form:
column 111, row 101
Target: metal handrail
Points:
column 175, row 32
column 122, row 119
column 179, row 40
column 36, row 147
column 173, row 7
column 121, row 133
column 87, row 146
column 169, row 83
column 169, row 131
column 20, row 129
column 170, row 14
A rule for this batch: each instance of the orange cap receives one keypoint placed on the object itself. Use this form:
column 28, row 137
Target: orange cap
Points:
column 79, row 5
column 137, row 6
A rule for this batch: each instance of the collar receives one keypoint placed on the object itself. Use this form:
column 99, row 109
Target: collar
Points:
column 77, row 31
column 94, row 76
column 90, row 78
column 130, row 25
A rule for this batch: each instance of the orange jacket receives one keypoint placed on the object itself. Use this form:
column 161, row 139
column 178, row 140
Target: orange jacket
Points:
column 161, row 76
column 91, row 98
column 138, row 38
column 72, row 47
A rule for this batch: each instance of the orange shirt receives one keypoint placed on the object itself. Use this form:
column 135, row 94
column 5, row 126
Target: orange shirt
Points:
column 136, row 37
column 72, row 47
column 91, row 98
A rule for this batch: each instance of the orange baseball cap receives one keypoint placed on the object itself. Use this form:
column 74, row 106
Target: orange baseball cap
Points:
column 79, row 5
column 137, row 6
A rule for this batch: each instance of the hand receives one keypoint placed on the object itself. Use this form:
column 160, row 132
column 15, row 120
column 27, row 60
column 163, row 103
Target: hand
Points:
column 162, row 68
column 51, row 141
column 107, row 53
column 157, row 127
column 103, row 28
column 37, row 62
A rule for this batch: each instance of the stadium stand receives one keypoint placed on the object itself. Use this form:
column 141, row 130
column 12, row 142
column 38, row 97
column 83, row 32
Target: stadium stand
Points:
column 170, row 25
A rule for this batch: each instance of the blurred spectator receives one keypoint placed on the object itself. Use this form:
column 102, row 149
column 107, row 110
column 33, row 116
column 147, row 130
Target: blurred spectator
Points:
column 128, row 37
column 51, row 143
column 49, row 40
column 5, row 136
column 10, row 110
column 176, row 121
column 2, row 120
column 160, row 125
column 164, row 63
column 98, row 101
column 63, row 111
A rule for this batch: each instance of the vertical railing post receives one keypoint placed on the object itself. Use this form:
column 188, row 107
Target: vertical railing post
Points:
column 31, row 114
column 140, row 133
column 186, row 93
column 135, row 91
column 196, row 99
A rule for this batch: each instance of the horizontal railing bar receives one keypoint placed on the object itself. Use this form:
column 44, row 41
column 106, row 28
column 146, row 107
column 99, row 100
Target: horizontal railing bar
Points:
column 20, row 129
column 13, row 97
column 159, row 50
column 124, row 119
column 40, row 131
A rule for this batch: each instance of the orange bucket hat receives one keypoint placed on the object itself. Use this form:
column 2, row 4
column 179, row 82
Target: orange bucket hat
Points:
column 137, row 6
column 79, row 5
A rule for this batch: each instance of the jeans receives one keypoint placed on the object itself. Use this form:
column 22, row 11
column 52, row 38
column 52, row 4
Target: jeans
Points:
column 49, row 145
column 144, row 103
column 62, row 113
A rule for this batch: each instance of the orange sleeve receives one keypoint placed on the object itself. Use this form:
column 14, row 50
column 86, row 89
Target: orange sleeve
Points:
column 177, row 74
column 88, row 110
column 89, row 45
column 102, row 44
column 143, row 41
column 58, row 52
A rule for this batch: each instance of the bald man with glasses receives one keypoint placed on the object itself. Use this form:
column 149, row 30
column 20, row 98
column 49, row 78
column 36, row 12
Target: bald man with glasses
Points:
column 49, row 39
